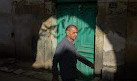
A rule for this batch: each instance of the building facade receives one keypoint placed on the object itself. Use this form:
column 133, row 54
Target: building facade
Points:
column 31, row 29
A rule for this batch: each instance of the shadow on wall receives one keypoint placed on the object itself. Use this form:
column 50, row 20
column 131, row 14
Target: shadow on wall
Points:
column 114, row 41
column 114, row 48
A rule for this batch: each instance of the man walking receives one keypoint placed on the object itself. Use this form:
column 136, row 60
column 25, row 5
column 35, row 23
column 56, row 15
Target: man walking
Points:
column 66, row 55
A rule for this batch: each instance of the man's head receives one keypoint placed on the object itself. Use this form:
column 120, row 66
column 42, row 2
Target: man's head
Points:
column 71, row 32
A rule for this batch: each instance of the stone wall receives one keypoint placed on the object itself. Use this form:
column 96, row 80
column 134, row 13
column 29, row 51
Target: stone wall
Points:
column 111, row 20
column 131, row 55
column 46, row 42
column 28, row 31
column 7, row 44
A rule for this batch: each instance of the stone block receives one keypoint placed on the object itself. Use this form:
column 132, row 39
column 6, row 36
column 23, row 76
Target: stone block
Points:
column 18, row 71
column 112, row 58
column 108, row 73
column 109, row 58
column 96, row 79
column 3, row 68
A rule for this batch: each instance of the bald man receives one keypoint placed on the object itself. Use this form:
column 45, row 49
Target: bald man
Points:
column 66, row 55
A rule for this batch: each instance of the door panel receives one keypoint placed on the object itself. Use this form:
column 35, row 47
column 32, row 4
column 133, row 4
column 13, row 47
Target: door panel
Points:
column 85, row 44
column 65, row 17
column 84, row 17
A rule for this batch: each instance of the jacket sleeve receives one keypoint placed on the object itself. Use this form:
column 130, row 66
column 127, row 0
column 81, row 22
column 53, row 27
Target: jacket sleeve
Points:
column 56, row 59
column 83, row 59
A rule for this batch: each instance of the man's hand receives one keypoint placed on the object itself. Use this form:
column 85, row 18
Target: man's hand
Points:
column 55, row 79
column 92, row 66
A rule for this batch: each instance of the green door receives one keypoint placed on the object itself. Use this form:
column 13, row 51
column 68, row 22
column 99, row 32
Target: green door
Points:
column 84, row 17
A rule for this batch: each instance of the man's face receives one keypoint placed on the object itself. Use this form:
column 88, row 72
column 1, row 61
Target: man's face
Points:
column 72, row 33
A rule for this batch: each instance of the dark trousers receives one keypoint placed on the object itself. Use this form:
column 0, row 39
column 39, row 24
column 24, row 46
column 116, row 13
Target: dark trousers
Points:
column 73, row 79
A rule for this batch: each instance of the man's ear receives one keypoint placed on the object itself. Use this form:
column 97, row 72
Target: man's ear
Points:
column 67, row 32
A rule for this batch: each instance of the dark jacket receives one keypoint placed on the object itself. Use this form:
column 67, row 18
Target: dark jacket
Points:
column 66, row 55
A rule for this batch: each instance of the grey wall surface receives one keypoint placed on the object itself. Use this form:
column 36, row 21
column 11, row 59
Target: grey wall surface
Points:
column 112, row 21
column 7, row 45
column 131, row 55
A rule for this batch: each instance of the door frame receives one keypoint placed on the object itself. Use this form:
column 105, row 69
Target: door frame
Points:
column 98, row 44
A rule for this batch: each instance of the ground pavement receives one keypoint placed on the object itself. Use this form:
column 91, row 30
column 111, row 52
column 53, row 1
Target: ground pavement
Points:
column 11, row 71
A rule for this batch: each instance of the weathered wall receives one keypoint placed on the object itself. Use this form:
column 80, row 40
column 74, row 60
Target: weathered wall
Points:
column 7, row 45
column 119, row 26
column 99, row 42
column 46, row 43
column 28, row 31
column 22, row 18
column 23, row 35
column 47, row 38
column 131, row 56
column 112, row 19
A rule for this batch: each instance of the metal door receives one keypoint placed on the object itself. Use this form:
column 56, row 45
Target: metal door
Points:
column 84, row 17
